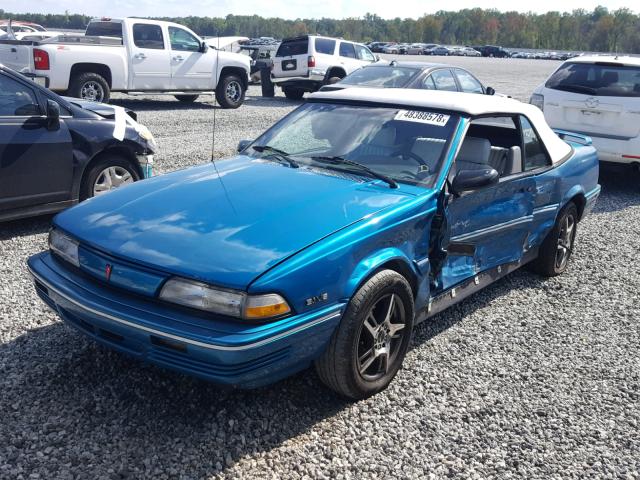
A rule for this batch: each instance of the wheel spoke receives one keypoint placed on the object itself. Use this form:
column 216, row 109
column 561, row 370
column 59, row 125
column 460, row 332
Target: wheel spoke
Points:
column 371, row 325
column 384, row 361
column 366, row 359
column 394, row 328
column 392, row 304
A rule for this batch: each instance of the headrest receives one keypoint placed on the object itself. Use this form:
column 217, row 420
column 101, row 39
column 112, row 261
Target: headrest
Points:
column 475, row 150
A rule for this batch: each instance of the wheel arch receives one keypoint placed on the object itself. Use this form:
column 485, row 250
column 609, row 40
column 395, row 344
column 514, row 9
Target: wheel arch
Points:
column 99, row 68
column 387, row 259
column 241, row 72
column 577, row 196
column 120, row 150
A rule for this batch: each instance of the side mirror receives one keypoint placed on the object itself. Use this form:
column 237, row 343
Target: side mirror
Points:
column 467, row 180
column 490, row 91
column 377, row 57
column 53, row 115
column 204, row 47
column 242, row 144
column 28, row 110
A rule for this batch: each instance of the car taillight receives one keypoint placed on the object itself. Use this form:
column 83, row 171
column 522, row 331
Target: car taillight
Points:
column 311, row 62
column 40, row 59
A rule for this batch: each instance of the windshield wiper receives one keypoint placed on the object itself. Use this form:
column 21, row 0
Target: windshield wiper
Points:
column 343, row 161
column 576, row 88
column 277, row 153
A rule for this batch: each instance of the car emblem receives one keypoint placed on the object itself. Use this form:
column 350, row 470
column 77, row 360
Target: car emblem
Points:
column 107, row 271
column 592, row 102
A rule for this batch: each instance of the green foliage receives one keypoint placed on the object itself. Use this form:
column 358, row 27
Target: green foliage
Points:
column 599, row 30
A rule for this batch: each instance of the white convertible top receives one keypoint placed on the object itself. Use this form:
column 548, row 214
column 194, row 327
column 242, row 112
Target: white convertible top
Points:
column 471, row 104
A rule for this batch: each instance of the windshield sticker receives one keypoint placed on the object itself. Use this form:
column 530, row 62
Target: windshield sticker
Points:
column 430, row 118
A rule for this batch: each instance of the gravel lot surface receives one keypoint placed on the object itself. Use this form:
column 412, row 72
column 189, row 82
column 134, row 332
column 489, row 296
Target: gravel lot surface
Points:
column 531, row 378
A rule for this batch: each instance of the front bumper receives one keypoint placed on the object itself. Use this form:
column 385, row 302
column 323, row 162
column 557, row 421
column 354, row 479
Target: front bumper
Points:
column 224, row 352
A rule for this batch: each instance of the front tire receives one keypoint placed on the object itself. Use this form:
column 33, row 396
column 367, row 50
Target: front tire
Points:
column 368, row 347
column 90, row 86
column 557, row 247
column 230, row 91
column 187, row 98
column 108, row 173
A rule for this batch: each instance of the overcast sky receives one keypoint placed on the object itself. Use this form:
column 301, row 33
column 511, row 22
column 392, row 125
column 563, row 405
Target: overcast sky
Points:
column 290, row 8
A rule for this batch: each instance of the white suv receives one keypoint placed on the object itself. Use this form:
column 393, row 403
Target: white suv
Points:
column 598, row 96
column 304, row 64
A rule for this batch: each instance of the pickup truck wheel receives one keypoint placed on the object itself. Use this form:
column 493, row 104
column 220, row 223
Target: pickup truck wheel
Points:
column 109, row 173
column 230, row 92
column 368, row 347
column 187, row 98
column 293, row 93
column 557, row 247
column 90, row 86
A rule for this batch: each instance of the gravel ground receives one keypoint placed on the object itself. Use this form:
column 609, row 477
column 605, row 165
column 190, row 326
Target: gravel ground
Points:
column 531, row 378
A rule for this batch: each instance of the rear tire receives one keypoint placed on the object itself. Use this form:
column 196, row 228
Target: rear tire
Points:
column 90, row 86
column 230, row 91
column 268, row 88
column 293, row 93
column 556, row 249
column 96, row 175
column 187, row 98
column 367, row 349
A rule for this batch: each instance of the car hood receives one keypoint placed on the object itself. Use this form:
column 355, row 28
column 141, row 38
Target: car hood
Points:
column 226, row 223
column 102, row 109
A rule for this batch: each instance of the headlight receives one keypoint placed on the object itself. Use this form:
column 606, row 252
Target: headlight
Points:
column 146, row 134
column 199, row 295
column 64, row 246
column 537, row 100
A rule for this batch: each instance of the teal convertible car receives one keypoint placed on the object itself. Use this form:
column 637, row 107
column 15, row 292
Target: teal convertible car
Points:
column 325, row 240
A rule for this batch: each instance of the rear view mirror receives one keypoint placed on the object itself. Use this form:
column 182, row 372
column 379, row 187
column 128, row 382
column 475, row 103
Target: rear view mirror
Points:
column 53, row 115
column 204, row 47
column 242, row 144
column 490, row 91
column 28, row 110
column 467, row 180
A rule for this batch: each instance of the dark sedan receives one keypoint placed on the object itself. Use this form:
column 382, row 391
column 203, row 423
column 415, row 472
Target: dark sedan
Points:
column 55, row 152
column 426, row 76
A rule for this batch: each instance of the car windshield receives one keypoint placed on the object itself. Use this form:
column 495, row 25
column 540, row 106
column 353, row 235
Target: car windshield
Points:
column 378, row 76
column 404, row 144
column 600, row 78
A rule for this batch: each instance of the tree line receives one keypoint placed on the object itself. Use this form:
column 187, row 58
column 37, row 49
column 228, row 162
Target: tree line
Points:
column 600, row 30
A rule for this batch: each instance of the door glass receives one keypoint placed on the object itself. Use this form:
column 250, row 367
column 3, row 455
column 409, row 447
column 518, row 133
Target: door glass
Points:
column 428, row 83
column 17, row 100
column 325, row 45
column 363, row 53
column 347, row 50
column 444, row 80
column 183, row 40
column 148, row 36
column 534, row 153
column 467, row 82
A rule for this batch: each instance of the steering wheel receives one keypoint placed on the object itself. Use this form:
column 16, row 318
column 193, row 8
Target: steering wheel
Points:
column 413, row 156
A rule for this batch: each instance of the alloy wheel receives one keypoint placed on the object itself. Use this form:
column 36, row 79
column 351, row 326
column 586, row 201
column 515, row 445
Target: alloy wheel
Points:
column 233, row 91
column 92, row 91
column 380, row 337
column 565, row 241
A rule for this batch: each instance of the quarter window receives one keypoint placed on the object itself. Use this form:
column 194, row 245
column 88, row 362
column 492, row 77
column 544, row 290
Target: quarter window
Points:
column 444, row 80
column 347, row 50
column 17, row 100
column 148, row 36
column 534, row 154
column 183, row 41
column 428, row 83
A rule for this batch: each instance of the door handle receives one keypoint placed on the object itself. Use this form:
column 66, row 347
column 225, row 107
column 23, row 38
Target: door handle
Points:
column 178, row 58
column 140, row 55
column 14, row 50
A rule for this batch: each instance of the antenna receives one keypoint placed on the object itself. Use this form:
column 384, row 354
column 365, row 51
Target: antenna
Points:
column 215, row 101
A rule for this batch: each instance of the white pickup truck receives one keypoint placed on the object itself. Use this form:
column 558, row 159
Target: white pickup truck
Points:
column 132, row 55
